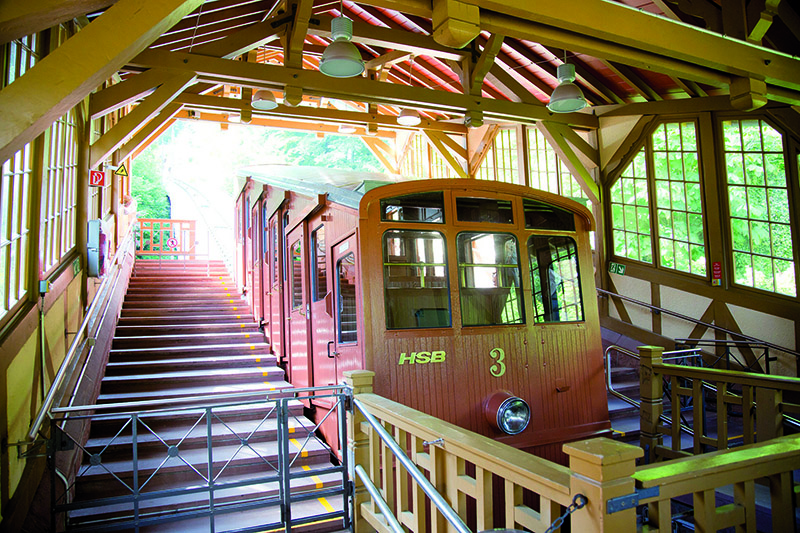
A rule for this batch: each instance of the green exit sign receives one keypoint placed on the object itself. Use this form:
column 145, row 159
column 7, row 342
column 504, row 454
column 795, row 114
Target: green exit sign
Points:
column 616, row 268
column 76, row 266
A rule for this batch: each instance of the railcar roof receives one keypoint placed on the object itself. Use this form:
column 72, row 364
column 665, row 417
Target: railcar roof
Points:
column 345, row 187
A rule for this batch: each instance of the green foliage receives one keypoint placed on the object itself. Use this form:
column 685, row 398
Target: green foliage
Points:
column 147, row 186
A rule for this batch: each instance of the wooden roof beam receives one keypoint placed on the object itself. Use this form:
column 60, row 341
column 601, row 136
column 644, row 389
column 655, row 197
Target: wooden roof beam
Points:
column 440, row 143
column 555, row 136
column 149, row 132
column 484, row 64
column 62, row 79
column 634, row 80
column 19, row 19
column 244, row 40
column 296, row 33
column 103, row 147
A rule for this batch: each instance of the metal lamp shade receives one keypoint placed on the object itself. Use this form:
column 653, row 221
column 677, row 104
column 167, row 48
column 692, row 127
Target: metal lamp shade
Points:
column 409, row 117
column 341, row 59
column 567, row 97
column 263, row 100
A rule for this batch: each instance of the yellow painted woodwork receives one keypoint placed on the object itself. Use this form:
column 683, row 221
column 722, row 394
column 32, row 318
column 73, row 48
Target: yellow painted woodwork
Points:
column 455, row 23
column 553, row 134
column 484, row 63
column 18, row 19
column 22, row 401
column 357, row 88
column 66, row 76
column 149, row 132
column 141, row 114
column 293, row 52
column 127, row 92
column 242, row 41
column 748, row 94
column 448, row 153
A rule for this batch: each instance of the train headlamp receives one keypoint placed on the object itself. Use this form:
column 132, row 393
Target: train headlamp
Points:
column 507, row 413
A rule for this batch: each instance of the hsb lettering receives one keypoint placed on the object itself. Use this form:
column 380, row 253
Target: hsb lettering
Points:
column 421, row 358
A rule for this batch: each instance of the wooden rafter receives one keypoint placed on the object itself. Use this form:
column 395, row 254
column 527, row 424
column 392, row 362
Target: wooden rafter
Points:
column 140, row 115
column 479, row 142
column 444, row 147
column 383, row 152
column 149, row 132
column 484, row 63
column 554, row 133
column 33, row 102
column 18, row 19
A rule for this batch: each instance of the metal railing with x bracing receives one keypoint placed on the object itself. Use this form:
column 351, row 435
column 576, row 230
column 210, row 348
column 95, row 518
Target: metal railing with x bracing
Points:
column 233, row 463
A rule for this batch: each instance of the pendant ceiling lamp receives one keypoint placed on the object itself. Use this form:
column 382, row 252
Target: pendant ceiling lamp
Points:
column 409, row 117
column 263, row 100
column 567, row 97
column 341, row 59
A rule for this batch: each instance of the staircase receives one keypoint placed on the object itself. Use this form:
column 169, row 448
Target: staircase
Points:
column 185, row 333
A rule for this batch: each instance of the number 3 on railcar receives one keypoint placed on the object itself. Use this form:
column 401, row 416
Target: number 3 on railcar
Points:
column 472, row 301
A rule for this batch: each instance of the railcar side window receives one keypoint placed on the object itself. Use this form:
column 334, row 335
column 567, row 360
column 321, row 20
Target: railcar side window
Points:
column 276, row 275
column 420, row 207
column 297, row 276
column 555, row 280
column 484, row 210
column 346, row 317
column 489, row 279
column 415, row 280
column 318, row 260
column 539, row 215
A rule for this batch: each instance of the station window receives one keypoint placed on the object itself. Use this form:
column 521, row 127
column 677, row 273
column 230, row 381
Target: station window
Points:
column 485, row 210
column 297, row 275
column 500, row 163
column 554, row 278
column 489, row 279
column 547, row 171
column 415, row 280
column 539, row 215
column 318, row 259
column 630, row 212
column 678, row 194
column 346, row 316
column 59, row 206
column 758, row 205
column 419, row 207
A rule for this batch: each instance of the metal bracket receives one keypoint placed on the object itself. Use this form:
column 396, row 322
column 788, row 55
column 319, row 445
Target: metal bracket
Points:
column 629, row 501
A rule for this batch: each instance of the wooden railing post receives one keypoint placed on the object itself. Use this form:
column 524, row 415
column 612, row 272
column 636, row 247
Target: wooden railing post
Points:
column 652, row 389
column 358, row 443
column 601, row 470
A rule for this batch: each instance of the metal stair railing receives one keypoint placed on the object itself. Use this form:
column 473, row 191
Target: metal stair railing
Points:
column 733, row 334
column 138, row 490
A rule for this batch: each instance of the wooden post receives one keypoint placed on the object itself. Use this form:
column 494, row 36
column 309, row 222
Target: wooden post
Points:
column 602, row 469
column 651, row 408
column 358, row 444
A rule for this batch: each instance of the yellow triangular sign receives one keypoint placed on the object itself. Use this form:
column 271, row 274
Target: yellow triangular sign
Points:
column 122, row 171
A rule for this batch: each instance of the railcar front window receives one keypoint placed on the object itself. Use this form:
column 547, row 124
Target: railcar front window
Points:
column 489, row 279
column 539, row 215
column 297, row 276
column 555, row 280
column 415, row 280
column 421, row 207
column 346, row 316
column 484, row 210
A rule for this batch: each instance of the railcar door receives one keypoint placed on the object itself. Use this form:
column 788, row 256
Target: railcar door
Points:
column 298, row 308
column 248, row 251
column 254, row 297
column 274, row 326
column 322, row 344
column 347, row 308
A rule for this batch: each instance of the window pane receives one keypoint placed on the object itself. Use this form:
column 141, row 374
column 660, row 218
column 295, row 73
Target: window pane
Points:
column 422, row 207
column 416, row 288
column 679, row 200
column 539, row 215
column 484, row 210
column 758, row 204
column 630, row 203
column 297, row 275
column 489, row 279
column 555, row 280
column 346, row 313
column 319, row 262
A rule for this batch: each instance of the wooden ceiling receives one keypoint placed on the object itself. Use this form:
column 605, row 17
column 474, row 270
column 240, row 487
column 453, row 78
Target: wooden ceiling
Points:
column 460, row 63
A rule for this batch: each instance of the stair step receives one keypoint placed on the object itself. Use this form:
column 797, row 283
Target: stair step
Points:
column 151, row 436
column 179, row 502
column 219, row 303
column 111, row 424
column 271, row 388
column 226, row 311
column 157, row 365
column 256, row 349
column 192, row 339
column 119, row 383
column 177, row 328
column 168, row 320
